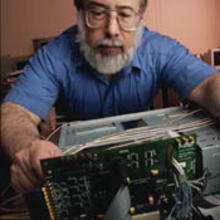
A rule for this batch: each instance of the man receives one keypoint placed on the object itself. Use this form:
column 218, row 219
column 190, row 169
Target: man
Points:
column 108, row 65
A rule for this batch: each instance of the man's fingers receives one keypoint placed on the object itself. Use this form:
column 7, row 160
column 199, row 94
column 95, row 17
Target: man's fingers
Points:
column 23, row 163
column 31, row 175
column 26, row 172
column 20, row 181
column 36, row 156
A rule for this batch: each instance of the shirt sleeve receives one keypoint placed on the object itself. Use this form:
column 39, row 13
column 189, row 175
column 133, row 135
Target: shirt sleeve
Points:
column 38, row 87
column 181, row 69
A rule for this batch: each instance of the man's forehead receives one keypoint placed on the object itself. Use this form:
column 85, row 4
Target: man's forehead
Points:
column 115, row 3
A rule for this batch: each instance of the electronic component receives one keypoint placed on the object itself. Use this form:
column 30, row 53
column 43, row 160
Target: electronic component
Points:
column 104, row 156
column 83, row 186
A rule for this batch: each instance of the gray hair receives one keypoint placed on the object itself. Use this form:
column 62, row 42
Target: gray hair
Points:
column 79, row 4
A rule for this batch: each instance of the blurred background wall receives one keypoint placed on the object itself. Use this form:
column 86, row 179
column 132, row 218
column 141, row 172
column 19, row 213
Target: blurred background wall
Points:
column 195, row 23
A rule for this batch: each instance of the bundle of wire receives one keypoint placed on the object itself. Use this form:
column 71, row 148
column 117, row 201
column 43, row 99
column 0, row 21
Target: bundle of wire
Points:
column 145, row 134
column 13, row 207
column 182, row 208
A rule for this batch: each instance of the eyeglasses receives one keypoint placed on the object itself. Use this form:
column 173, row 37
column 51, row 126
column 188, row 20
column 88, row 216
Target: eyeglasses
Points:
column 98, row 17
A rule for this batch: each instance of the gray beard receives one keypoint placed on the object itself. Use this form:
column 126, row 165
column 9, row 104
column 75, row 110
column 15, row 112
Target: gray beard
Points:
column 109, row 63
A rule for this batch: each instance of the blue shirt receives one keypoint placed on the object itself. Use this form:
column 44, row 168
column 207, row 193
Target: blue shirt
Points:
column 60, row 66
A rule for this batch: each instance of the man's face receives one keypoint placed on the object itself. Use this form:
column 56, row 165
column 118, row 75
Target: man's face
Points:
column 110, row 46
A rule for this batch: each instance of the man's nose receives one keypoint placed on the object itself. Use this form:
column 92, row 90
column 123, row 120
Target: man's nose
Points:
column 112, row 27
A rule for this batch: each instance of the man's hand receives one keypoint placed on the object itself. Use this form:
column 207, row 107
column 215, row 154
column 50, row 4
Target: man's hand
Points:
column 26, row 173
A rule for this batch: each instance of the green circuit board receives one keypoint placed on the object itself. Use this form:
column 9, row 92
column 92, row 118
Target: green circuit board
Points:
column 82, row 186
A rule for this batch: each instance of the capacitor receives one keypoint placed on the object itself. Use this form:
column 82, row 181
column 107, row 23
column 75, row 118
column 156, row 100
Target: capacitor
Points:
column 151, row 200
column 155, row 172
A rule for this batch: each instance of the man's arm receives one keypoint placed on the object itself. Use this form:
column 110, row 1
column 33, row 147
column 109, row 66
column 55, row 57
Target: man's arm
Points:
column 18, row 128
column 207, row 94
column 21, row 141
